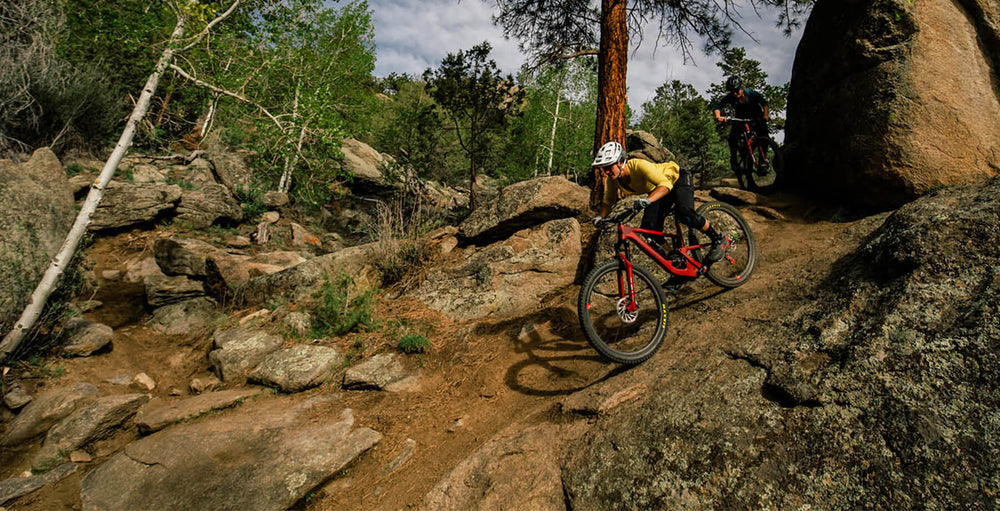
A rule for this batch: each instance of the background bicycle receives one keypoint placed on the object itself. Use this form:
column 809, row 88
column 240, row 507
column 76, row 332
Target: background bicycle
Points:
column 759, row 157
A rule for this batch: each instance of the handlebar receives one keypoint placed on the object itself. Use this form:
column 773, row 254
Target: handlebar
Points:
column 737, row 120
column 620, row 218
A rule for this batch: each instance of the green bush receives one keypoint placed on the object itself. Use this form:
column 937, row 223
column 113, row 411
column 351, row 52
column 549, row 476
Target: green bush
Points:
column 414, row 343
column 336, row 312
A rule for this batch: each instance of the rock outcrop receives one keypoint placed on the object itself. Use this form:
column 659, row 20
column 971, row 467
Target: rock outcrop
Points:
column 37, row 204
column 892, row 98
column 878, row 393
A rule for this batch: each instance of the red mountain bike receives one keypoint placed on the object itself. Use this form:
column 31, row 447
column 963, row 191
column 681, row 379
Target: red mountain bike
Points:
column 623, row 309
column 758, row 156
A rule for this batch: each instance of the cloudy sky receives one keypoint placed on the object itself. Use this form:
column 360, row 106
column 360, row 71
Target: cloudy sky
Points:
column 412, row 35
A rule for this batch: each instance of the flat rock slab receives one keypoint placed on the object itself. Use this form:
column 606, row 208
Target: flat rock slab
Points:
column 159, row 413
column 15, row 487
column 92, row 422
column 256, row 457
column 45, row 410
column 375, row 373
column 298, row 368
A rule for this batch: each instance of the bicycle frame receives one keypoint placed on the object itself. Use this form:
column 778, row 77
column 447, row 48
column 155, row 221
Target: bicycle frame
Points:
column 628, row 234
column 746, row 145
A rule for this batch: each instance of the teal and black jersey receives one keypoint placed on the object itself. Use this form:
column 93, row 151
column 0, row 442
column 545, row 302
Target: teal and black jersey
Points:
column 752, row 107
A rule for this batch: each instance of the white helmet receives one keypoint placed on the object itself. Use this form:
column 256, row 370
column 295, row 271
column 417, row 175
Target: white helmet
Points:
column 609, row 153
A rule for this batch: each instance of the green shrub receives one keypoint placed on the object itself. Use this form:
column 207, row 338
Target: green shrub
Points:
column 414, row 343
column 336, row 312
column 251, row 200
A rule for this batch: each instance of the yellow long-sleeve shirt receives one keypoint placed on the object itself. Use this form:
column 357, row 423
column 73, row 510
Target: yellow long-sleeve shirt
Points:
column 643, row 177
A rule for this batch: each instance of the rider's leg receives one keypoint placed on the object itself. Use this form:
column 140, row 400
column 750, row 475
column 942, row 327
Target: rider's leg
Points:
column 686, row 214
column 654, row 215
column 734, row 149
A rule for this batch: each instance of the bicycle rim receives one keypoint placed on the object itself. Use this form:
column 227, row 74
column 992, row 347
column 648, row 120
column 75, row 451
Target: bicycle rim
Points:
column 740, row 258
column 621, row 332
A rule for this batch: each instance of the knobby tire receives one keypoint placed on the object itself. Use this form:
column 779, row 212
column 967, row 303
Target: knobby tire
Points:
column 735, row 268
column 623, row 342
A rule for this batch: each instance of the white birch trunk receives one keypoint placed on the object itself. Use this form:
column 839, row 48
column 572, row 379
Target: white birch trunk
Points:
column 286, row 176
column 552, row 136
column 51, row 277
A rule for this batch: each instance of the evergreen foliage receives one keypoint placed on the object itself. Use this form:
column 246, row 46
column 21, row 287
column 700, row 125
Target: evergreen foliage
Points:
column 478, row 100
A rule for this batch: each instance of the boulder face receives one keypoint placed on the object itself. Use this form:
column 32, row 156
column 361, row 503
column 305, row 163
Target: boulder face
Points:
column 37, row 204
column 892, row 98
column 879, row 393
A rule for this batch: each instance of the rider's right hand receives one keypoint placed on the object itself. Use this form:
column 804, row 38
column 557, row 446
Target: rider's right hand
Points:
column 598, row 221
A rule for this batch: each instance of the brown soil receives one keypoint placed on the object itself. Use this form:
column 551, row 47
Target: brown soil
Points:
column 478, row 379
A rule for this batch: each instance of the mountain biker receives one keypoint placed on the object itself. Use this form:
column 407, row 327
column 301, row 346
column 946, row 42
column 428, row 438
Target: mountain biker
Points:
column 666, row 184
column 746, row 104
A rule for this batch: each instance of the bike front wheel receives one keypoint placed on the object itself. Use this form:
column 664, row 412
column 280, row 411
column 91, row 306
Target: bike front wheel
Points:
column 740, row 257
column 622, row 330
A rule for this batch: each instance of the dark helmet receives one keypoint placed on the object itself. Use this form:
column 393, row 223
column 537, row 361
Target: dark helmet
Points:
column 734, row 83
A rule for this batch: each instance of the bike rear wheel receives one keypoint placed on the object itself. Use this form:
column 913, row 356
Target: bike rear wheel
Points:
column 623, row 332
column 740, row 258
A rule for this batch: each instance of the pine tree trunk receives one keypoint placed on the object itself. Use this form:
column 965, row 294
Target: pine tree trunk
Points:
column 612, row 68
column 51, row 277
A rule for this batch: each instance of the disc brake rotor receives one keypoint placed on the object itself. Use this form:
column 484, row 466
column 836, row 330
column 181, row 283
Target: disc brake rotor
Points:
column 626, row 315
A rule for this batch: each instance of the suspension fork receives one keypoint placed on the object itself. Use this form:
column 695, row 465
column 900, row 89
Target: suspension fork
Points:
column 626, row 280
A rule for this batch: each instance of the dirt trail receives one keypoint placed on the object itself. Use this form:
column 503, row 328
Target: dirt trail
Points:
column 480, row 378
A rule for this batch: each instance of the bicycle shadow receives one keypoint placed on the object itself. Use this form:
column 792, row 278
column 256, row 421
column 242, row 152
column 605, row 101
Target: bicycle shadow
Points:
column 692, row 294
column 558, row 360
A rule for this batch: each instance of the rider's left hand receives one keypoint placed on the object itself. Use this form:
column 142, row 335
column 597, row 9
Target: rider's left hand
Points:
column 640, row 204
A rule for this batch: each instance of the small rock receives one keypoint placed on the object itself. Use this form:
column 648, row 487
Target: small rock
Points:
column 275, row 199
column 205, row 384
column 86, row 337
column 409, row 446
column 457, row 424
column 142, row 380
column 111, row 275
column 121, row 379
column 301, row 236
column 80, row 457
column 16, row 398
column 767, row 212
column 90, row 305
column 253, row 315
column 375, row 373
column 271, row 217
column 175, row 392
column 238, row 242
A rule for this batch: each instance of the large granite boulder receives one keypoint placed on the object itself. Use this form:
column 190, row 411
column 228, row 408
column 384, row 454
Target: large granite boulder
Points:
column 366, row 166
column 522, row 205
column 506, row 278
column 37, row 204
column 892, row 98
column 643, row 145
column 879, row 392
column 125, row 204
column 209, row 204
